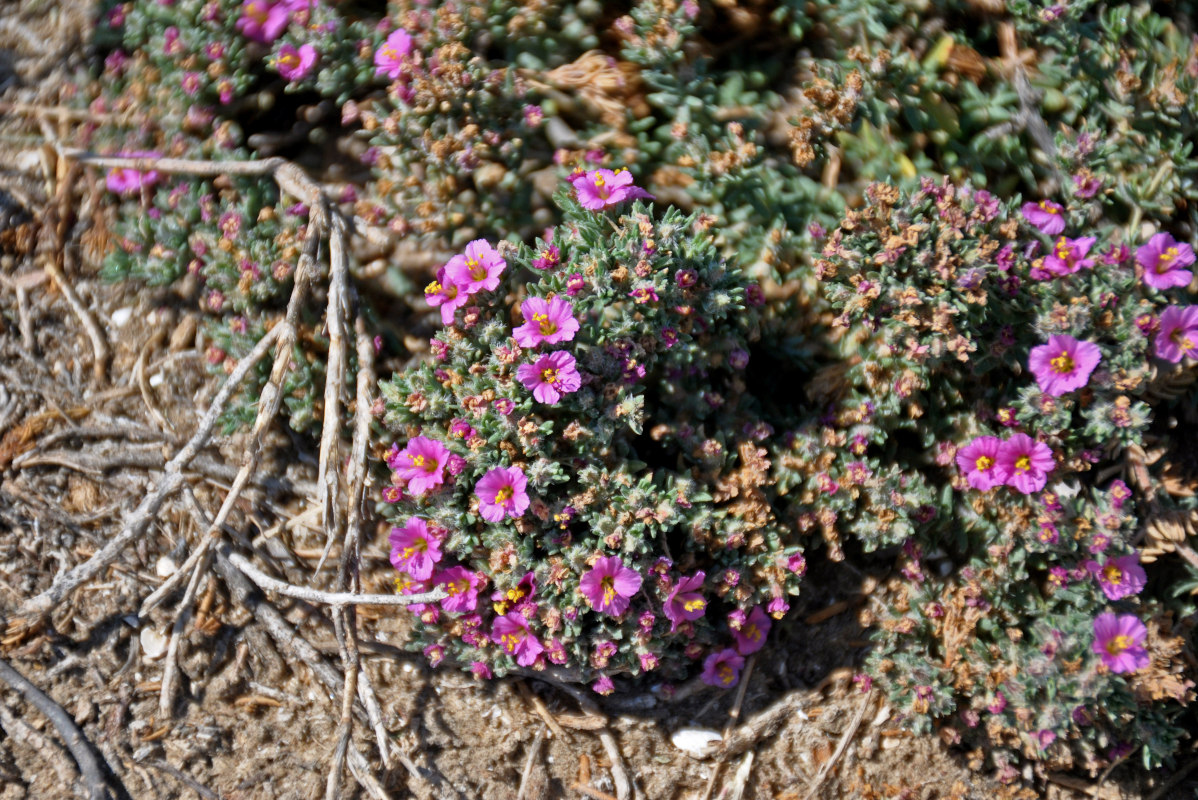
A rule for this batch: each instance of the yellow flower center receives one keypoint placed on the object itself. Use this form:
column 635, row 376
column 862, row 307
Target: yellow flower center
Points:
column 1165, row 259
column 258, row 12
column 457, row 587
column 548, row 327
column 433, row 288
column 608, row 584
column 510, row 641
column 503, row 495
column 1063, row 364
column 1118, row 644
column 752, row 632
column 429, row 465
column 725, row 674
column 599, row 182
column 1112, row 574
column 290, row 60
column 390, row 53
column 1023, row 463
column 1045, row 207
column 1062, row 248
column 549, row 376
column 419, row 546
column 697, row 604
column 983, row 463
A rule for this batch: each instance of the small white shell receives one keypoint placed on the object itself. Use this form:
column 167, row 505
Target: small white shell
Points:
column 121, row 316
column 696, row 742
column 166, row 567
column 153, row 643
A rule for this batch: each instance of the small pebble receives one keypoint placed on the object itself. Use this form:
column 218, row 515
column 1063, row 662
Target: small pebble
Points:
column 153, row 643
column 696, row 742
column 121, row 316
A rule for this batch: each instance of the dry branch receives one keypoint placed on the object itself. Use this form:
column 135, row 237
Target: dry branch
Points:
column 90, row 765
column 34, row 611
column 270, row 584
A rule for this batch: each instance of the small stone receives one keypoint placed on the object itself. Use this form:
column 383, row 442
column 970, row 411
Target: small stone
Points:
column 122, row 316
column 166, row 567
column 696, row 742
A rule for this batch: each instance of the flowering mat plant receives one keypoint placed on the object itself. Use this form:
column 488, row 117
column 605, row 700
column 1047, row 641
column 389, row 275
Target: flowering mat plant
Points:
column 648, row 399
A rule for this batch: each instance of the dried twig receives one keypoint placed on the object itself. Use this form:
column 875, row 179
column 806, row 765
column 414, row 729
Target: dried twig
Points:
column 51, row 752
column 529, row 763
column 846, row 737
column 33, row 611
column 166, row 695
column 99, row 785
column 1173, row 781
column 619, row 774
column 270, row 584
column 761, row 726
column 182, row 777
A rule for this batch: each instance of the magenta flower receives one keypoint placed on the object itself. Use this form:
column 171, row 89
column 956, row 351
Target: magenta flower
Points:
column 1069, row 255
column 125, row 180
column 1164, row 260
column 1178, row 334
column 511, row 632
column 722, row 669
column 502, row 491
column 1064, row 364
column 389, row 58
column 1119, row 577
column 685, row 601
column 601, row 188
column 517, row 596
column 264, row 20
column 293, row 64
column 477, row 269
column 1024, row 464
column 603, row 686
column 751, row 636
column 1120, row 642
column 415, row 549
column 546, row 321
column 481, row 670
column 553, row 375
column 461, row 589
column 1046, row 215
column 609, row 585
column 978, row 460
column 421, row 464
column 445, row 293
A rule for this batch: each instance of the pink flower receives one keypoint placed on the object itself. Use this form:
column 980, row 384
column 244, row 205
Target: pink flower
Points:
column 293, row 64
column 461, row 588
column 476, row 269
column 516, row 597
column 502, row 491
column 1119, row 577
column 1164, row 260
column 553, row 375
column 125, row 180
column 435, row 654
column 480, row 670
column 1119, row 640
column 414, row 549
column 1064, row 364
column 445, row 293
column 601, row 188
column 546, row 321
column 1046, row 215
column 264, row 20
column 751, row 636
column 722, row 669
column 603, row 686
column 1069, row 255
column 685, row 601
column 421, row 464
column 511, row 632
column 1178, row 334
column 609, row 585
column 1024, row 464
column 978, row 460
column 389, row 58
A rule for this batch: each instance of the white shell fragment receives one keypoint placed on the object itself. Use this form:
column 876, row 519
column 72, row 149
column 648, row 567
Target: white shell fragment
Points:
column 696, row 742
column 121, row 316
column 153, row 643
column 166, row 567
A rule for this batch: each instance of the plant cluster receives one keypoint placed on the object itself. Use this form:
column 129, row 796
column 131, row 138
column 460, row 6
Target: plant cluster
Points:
column 579, row 463
column 1007, row 368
